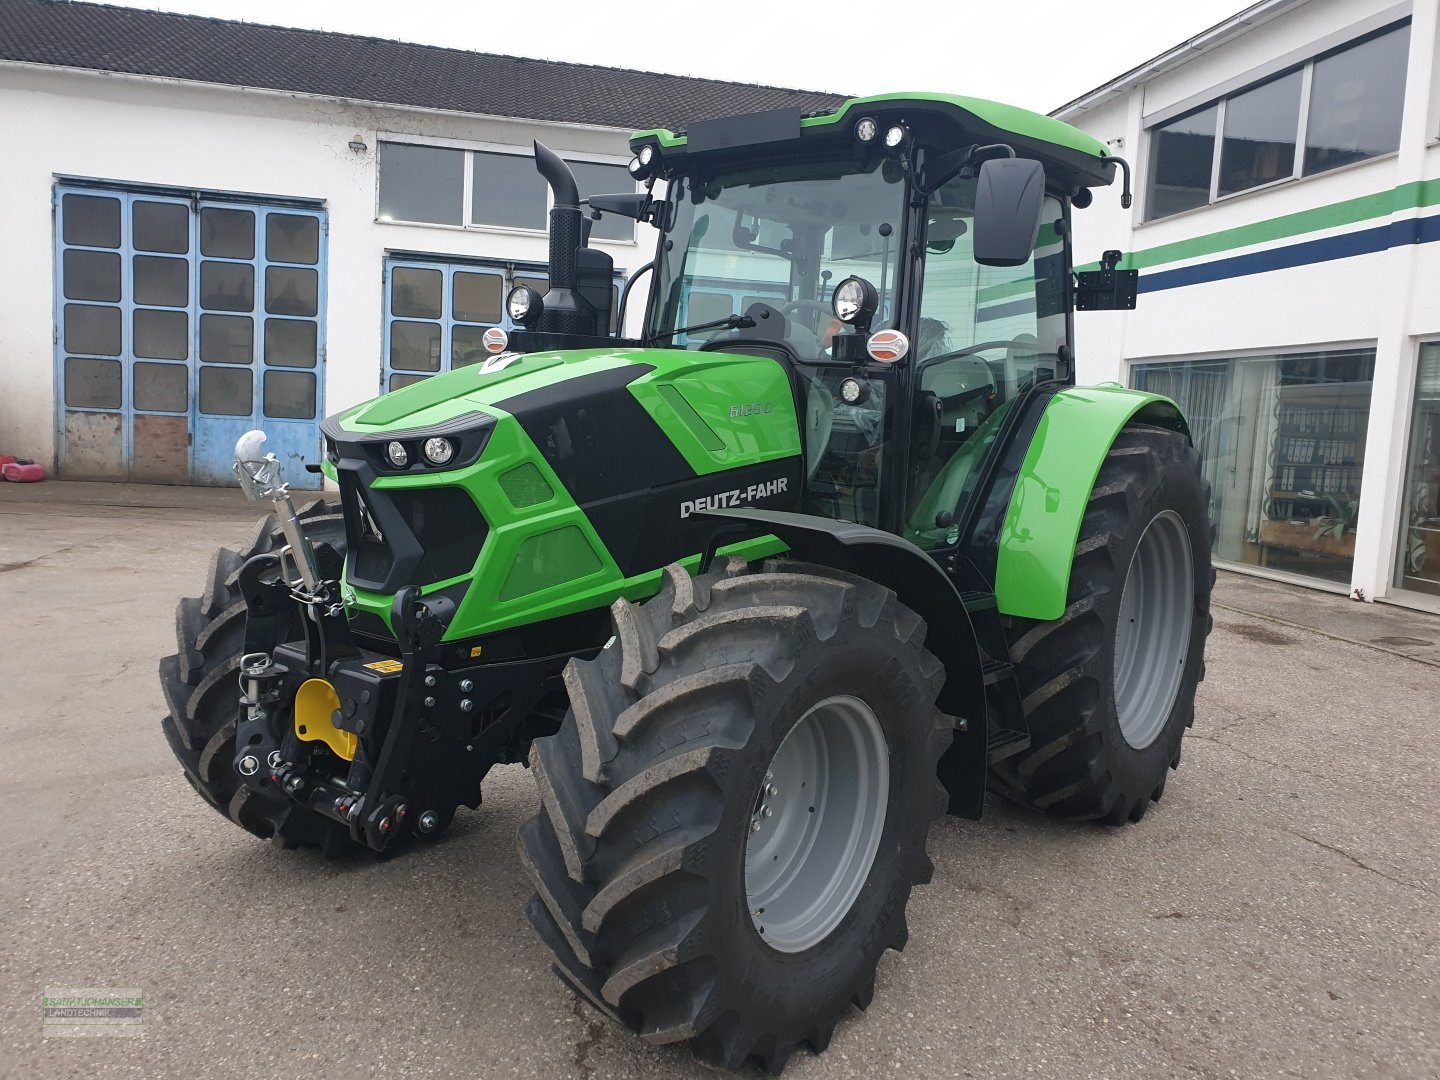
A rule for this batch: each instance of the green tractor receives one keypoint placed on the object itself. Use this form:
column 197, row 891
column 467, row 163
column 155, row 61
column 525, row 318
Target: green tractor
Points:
column 833, row 545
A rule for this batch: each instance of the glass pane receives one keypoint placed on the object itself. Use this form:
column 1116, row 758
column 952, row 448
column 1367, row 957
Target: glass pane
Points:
column 1282, row 442
column 1356, row 98
column 165, row 282
column 92, row 384
column 164, row 335
column 1260, row 130
column 1417, row 565
column 92, row 329
column 162, row 387
column 506, row 190
column 290, row 342
column 415, row 346
column 466, row 346
column 597, row 179
column 225, row 391
column 161, row 226
column 227, row 234
column 226, row 339
column 421, row 183
column 227, row 286
column 292, row 238
column 1182, row 154
column 397, row 381
column 415, row 293
column 91, row 275
column 291, row 291
column 92, row 220
column 477, row 297
column 290, row 394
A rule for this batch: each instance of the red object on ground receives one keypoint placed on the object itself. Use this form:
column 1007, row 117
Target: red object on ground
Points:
column 6, row 459
column 16, row 473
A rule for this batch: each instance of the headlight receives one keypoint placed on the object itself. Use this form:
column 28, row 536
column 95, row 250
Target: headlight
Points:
column 438, row 451
column 866, row 129
column 524, row 305
column 854, row 301
column 397, row 455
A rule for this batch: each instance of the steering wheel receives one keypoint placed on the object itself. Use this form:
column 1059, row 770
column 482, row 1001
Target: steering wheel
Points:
column 794, row 307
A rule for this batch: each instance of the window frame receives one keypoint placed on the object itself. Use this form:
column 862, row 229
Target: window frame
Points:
column 1306, row 66
column 469, row 149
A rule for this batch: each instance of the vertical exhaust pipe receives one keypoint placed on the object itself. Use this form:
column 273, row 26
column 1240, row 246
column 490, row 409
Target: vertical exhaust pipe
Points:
column 566, row 311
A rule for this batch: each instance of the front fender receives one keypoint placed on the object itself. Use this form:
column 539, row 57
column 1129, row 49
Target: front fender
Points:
column 1042, row 524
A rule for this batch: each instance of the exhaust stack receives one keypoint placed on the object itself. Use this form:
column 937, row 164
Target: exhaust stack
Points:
column 566, row 310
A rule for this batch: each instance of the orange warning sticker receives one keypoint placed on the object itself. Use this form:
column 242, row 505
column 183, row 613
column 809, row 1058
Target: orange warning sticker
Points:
column 386, row 667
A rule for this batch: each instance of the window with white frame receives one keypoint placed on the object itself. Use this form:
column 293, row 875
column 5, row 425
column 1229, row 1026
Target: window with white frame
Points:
column 440, row 185
column 1339, row 107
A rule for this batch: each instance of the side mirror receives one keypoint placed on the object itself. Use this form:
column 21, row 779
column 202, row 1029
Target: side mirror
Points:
column 1008, row 201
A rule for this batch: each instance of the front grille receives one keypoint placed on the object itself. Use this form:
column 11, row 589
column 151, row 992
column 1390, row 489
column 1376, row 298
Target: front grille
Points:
column 416, row 536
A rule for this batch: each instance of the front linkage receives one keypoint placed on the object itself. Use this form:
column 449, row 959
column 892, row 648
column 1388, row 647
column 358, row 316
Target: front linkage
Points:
column 355, row 735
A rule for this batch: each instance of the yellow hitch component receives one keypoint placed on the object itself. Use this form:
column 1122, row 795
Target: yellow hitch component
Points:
column 315, row 703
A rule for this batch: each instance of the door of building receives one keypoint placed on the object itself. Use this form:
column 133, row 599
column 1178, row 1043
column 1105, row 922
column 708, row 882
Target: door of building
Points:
column 181, row 322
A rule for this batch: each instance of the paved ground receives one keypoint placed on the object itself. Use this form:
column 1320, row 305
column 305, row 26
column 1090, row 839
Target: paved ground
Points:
column 1278, row 915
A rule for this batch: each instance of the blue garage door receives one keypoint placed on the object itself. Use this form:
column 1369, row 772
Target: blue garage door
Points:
column 436, row 313
column 181, row 323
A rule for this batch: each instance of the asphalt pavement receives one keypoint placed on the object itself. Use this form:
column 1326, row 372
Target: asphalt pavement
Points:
column 1277, row 915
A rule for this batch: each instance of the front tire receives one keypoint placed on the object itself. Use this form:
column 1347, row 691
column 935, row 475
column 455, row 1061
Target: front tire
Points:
column 201, row 685
column 671, row 898
column 1109, row 687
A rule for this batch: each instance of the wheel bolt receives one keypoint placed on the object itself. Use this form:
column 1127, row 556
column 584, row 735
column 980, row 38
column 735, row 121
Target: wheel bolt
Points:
column 754, row 824
column 385, row 824
column 429, row 702
column 249, row 765
column 466, row 686
column 429, row 680
column 767, row 811
column 428, row 820
column 772, row 789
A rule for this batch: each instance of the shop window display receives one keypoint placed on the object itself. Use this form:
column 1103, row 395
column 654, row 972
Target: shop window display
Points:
column 1417, row 566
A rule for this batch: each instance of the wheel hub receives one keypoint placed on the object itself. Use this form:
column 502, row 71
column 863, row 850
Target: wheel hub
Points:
column 1152, row 633
column 817, row 823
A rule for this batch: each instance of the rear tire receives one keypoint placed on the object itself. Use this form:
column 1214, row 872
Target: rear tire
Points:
column 202, row 691
column 1109, row 687
column 653, row 800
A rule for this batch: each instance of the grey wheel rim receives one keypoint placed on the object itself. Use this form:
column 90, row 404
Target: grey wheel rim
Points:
column 817, row 823
column 1152, row 637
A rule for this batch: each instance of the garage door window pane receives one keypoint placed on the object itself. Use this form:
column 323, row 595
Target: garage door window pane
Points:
column 421, row 183
column 415, row 293
column 290, row 342
column 290, row 394
column 227, row 234
column 227, row 286
column 162, row 387
column 92, row 384
column 415, row 346
column 161, row 227
column 164, row 282
column 292, row 238
column 92, row 329
column 477, row 297
column 226, row 339
column 1356, row 98
column 1260, row 130
column 91, row 275
column 163, row 335
column 596, row 179
column 398, row 381
column 92, row 221
column 291, row 291
column 507, row 191
column 225, row 391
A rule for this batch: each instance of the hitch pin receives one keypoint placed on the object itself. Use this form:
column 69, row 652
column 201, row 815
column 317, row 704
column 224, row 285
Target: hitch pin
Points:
column 260, row 478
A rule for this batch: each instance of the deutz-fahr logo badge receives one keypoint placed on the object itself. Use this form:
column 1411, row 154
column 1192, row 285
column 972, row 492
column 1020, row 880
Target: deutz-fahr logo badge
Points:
column 887, row 346
column 734, row 497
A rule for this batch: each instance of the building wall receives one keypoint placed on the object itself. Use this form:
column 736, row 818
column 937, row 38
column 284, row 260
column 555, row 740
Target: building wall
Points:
column 1387, row 299
column 141, row 131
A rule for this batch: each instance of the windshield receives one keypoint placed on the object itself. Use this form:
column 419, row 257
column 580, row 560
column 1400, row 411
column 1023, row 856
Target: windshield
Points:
column 784, row 235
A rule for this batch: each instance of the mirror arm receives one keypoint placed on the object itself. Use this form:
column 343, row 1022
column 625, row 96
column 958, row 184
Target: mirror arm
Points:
column 1125, row 197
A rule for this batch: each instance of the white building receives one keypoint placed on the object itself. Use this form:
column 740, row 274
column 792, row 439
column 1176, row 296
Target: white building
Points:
column 212, row 226
column 1287, row 173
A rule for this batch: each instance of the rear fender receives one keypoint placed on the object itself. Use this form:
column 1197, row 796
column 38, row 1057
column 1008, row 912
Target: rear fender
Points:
column 1052, row 490
column 923, row 587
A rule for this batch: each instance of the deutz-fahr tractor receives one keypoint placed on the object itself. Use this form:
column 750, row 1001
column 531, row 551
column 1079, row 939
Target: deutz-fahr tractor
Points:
column 822, row 544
